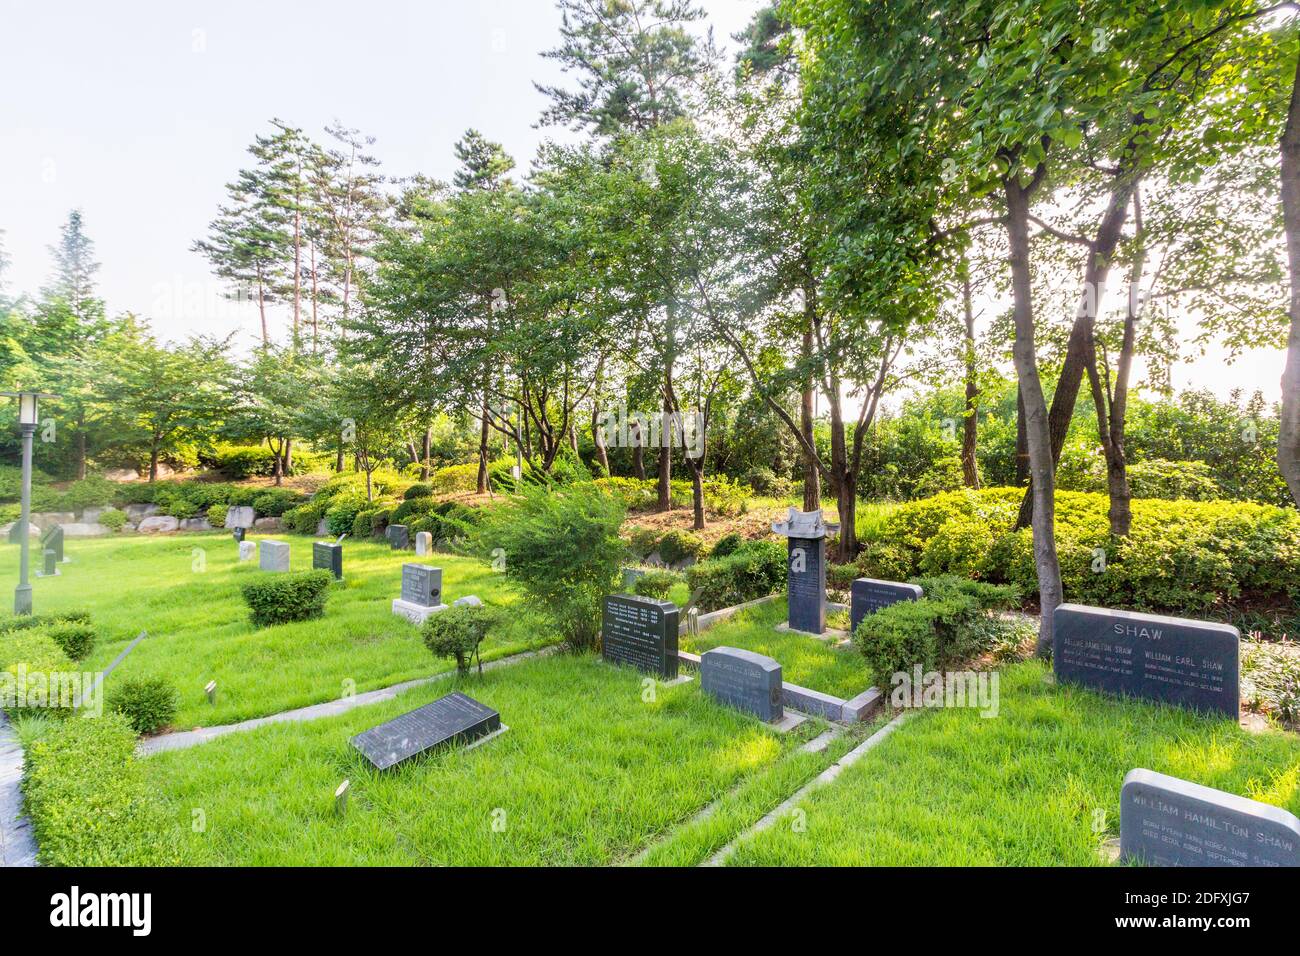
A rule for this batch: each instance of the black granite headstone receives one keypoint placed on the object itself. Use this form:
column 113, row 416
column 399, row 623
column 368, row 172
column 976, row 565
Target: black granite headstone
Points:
column 52, row 540
column 806, row 584
column 51, row 566
column 238, row 535
column 398, row 537
column 328, row 557
column 640, row 631
column 743, row 679
column 455, row 718
column 422, row 584
column 1193, row 664
column 1165, row 821
column 867, row 596
column 15, row 533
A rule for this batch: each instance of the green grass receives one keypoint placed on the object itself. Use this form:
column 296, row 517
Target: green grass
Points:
column 589, row 773
column 806, row 661
column 199, row 629
column 1025, row 788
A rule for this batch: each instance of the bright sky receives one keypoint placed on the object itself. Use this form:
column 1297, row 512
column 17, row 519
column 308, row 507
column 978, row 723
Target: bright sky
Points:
column 140, row 114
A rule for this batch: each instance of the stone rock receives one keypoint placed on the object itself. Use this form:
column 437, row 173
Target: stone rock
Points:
column 322, row 528
column 87, row 529
column 137, row 513
column 48, row 519
column 196, row 524
column 469, row 600
column 32, row 530
column 240, row 516
column 91, row 515
column 269, row 524
column 122, row 474
column 159, row 524
column 165, row 470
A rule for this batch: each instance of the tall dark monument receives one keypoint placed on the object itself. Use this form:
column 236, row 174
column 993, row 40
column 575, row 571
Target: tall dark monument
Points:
column 806, row 569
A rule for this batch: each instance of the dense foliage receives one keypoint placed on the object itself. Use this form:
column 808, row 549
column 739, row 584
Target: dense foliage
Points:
column 279, row 598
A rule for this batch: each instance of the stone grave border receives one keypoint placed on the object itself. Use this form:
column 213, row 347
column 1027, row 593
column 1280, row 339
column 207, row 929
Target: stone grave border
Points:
column 801, row 699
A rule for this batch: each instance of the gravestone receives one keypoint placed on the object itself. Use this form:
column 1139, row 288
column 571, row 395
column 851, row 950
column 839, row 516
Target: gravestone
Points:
column 15, row 529
column 50, row 567
column 239, row 516
column 1193, row 664
column 744, row 680
column 867, row 596
column 423, row 543
column 455, row 718
column 642, row 632
column 238, row 535
column 274, row 555
column 806, row 569
column 246, row 550
column 52, row 540
column 421, row 593
column 328, row 557
column 398, row 537
column 1165, row 821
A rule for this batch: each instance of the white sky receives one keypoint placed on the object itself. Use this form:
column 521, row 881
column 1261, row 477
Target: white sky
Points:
column 141, row 114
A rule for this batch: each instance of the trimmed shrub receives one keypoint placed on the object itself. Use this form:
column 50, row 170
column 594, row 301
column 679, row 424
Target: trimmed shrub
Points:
column 562, row 549
column 89, row 801
column 115, row 520
column 413, row 507
column 727, row 544
column 840, row 577
column 679, row 545
column 656, row 584
column 342, row 513
column 456, row 478
column 30, row 658
column 280, row 598
column 755, row 570
column 417, row 491
column 26, row 622
column 77, row 638
column 304, row 518
column 244, row 461
column 148, row 703
column 457, row 633
column 274, row 503
column 643, row 542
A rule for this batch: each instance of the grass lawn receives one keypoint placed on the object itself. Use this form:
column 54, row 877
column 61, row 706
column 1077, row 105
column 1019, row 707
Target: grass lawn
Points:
column 589, row 773
column 1024, row 788
column 199, row 630
column 805, row 661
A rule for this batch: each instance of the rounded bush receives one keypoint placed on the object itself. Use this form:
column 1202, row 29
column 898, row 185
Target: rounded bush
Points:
column 418, row 491
column 148, row 703
column 457, row 633
column 677, row 546
column 656, row 584
column 115, row 520
column 281, row 598
column 727, row 544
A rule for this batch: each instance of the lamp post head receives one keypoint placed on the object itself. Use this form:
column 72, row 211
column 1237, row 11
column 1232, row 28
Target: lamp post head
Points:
column 28, row 406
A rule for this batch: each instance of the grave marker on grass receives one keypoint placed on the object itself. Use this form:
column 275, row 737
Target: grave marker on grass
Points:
column 868, row 595
column 1165, row 821
column 398, row 537
column 421, row 593
column 642, row 632
column 274, row 555
column 744, row 680
column 456, row 718
column 246, row 550
column 806, row 569
column 50, row 568
column 423, row 543
column 52, row 540
column 328, row 557
column 1194, row 664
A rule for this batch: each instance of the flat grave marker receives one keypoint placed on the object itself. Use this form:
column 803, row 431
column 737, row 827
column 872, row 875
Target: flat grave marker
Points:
column 328, row 557
column 456, row 718
column 745, row 680
column 1166, row 821
column 642, row 632
column 868, row 595
column 273, row 555
column 1193, row 664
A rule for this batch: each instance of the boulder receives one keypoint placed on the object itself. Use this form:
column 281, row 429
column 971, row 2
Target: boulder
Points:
column 469, row 600
column 137, row 513
column 91, row 515
column 32, row 530
column 159, row 524
column 268, row 524
column 48, row 519
column 85, row 529
column 240, row 516
column 196, row 524
column 122, row 474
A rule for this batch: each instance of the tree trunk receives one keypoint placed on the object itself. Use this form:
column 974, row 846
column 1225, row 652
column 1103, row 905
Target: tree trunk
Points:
column 697, row 496
column 153, row 458
column 81, row 445
column 261, row 308
column 1037, row 429
column 970, row 423
column 338, row 460
column 638, row 456
column 483, row 450
column 846, row 497
column 598, row 438
column 315, row 323
column 1022, row 442
column 1288, row 442
column 665, row 499
column 426, row 452
column 278, row 468
column 288, row 456
column 297, row 270
column 812, row 483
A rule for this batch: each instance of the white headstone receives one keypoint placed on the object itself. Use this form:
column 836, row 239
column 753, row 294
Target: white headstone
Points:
column 246, row 550
column 423, row 543
column 274, row 555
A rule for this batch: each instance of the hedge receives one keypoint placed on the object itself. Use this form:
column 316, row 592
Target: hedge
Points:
column 755, row 570
column 280, row 598
column 1186, row 557
column 31, row 656
column 90, row 804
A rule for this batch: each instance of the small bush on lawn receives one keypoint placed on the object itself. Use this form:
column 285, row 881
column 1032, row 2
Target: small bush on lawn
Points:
column 89, row 802
column 727, row 544
column 77, row 638
column 114, row 520
column 343, row 511
column 755, row 570
column 148, row 703
column 680, row 545
column 643, row 542
column 29, row 659
column 304, row 518
column 280, row 598
column 457, row 633
column 561, row 547
column 656, row 584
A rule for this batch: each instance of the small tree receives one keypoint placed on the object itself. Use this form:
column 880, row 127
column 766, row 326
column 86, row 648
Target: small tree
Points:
column 561, row 548
column 457, row 632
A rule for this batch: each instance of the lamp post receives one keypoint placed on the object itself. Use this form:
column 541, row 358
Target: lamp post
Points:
column 28, row 416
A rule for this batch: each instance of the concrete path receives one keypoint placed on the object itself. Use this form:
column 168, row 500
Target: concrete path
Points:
column 825, row 777
column 190, row 738
column 17, row 846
